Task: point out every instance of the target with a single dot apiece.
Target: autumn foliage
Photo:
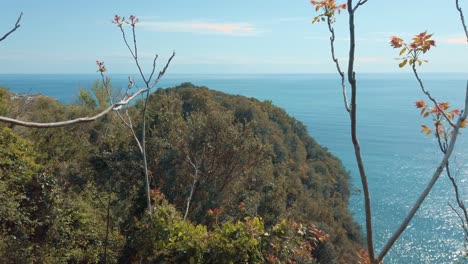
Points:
(439, 113)
(410, 52)
(329, 7)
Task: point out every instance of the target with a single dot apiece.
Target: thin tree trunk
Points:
(357, 146)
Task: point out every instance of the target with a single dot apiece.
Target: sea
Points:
(399, 159)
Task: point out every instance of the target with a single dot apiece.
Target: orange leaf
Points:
(420, 104)
(424, 128)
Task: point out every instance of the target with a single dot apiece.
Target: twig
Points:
(360, 3)
(17, 25)
(338, 68)
(192, 189)
(464, 224)
(115, 107)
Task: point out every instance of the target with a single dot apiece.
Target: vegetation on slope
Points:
(233, 180)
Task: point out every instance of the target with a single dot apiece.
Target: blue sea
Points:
(399, 159)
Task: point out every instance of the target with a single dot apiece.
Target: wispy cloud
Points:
(203, 27)
(455, 40)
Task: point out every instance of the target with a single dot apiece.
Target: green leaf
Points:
(403, 63)
(402, 51)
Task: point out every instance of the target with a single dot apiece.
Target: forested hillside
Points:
(233, 180)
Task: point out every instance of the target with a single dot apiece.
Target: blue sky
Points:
(243, 36)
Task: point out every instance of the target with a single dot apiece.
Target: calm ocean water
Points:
(399, 160)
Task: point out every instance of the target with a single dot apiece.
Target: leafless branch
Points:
(114, 107)
(17, 25)
(460, 202)
(338, 68)
(428, 188)
(129, 125)
(462, 18)
(154, 67)
(134, 52)
(463, 223)
(196, 170)
(161, 73)
(106, 87)
(146, 95)
(360, 3)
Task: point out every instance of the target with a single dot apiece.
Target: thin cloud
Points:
(455, 40)
(203, 27)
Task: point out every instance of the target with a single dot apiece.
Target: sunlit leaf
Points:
(403, 63)
(424, 128)
(402, 51)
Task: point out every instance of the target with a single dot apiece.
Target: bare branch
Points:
(129, 125)
(132, 52)
(195, 179)
(460, 202)
(463, 223)
(338, 68)
(462, 18)
(17, 25)
(154, 67)
(142, 142)
(106, 87)
(360, 3)
(113, 107)
(429, 186)
(161, 73)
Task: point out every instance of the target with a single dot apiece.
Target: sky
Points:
(222, 37)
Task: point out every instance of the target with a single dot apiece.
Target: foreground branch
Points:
(462, 18)
(434, 179)
(114, 107)
(338, 68)
(17, 25)
(353, 115)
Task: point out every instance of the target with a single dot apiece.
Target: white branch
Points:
(113, 107)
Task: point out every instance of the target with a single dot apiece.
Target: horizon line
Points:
(240, 73)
